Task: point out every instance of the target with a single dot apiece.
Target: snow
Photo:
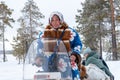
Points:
(11, 70)
(114, 67)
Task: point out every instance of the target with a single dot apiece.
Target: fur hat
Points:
(87, 51)
(58, 14)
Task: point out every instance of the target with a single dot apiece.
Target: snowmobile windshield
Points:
(47, 59)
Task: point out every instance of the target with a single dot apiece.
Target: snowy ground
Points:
(11, 70)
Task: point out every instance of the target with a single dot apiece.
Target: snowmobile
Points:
(47, 59)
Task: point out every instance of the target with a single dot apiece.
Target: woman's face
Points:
(72, 58)
(55, 22)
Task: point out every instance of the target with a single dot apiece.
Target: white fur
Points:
(94, 73)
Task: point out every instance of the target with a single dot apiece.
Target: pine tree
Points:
(32, 17)
(95, 22)
(20, 41)
(28, 31)
(91, 22)
(5, 20)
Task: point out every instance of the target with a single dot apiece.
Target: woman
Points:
(91, 57)
(70, 37)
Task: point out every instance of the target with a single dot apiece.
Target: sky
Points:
(11, 70)
(67, 7)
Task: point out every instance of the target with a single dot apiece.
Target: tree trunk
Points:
(4, 57)
(114, 46)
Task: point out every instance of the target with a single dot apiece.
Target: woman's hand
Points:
(38, 62)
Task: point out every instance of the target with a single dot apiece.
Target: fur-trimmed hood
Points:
(58, 14)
